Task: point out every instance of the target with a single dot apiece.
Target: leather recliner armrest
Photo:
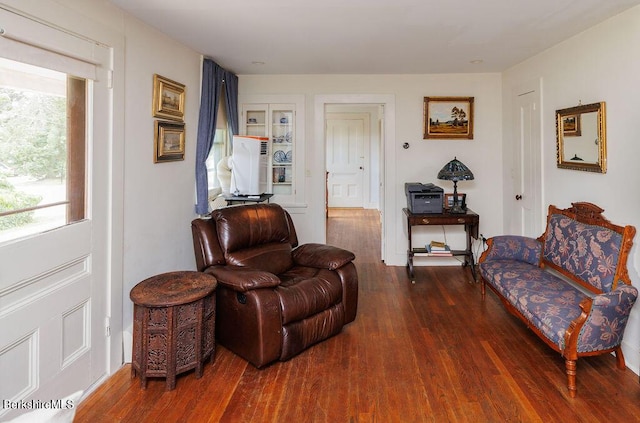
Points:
(243, 279)
(322, 256)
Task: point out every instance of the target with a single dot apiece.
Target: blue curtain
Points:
(213, 77)
(231, 91)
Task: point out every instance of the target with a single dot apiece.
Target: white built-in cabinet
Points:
(279, 122)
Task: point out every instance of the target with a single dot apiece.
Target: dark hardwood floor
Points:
(434, 351)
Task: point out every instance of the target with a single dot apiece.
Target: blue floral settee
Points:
(570, 286)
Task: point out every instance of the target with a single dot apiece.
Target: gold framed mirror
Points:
(581, 138)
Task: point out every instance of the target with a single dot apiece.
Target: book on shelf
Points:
(437, 246)
(438, 249)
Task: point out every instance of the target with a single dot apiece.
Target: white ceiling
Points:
(371, 36)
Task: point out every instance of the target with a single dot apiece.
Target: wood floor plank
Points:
(433, 351)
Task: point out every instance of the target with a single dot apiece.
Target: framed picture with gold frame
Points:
(571, 125)
(448, 118)
(168, 98)
(169, 142)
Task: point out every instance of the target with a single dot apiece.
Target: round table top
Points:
(173, 288)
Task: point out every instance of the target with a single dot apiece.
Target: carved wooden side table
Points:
(173, 325)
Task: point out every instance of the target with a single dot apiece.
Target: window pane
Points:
(39, 118)
(220, 145)
(215, 155)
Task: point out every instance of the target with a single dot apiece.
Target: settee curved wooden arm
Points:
(570, 352)
(593, 309)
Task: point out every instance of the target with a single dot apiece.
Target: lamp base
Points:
(457, 209)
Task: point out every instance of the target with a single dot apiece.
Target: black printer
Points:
(423, 198)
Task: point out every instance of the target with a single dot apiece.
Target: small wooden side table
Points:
(173, 325)
(469, 219)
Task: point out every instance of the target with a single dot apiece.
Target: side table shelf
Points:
(173, 325)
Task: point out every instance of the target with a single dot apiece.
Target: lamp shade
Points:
(455, 170)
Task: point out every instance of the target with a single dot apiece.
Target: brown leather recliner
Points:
(274, 298)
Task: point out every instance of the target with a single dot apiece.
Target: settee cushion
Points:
(548, 302)
(587, 252)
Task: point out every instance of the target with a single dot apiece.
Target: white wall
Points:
(158, 198)
(597, 65)
(421, 162)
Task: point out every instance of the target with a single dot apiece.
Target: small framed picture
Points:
(571, 125)
(168, 98)
(448, 118)
(278, 175)
(448, 200)
(169, 142)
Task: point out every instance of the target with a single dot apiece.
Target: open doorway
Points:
(353, 165)
(383, 155)
(352, 155)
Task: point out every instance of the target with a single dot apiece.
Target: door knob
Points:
(518, 197)
(361, 168)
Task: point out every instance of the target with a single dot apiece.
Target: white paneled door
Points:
(527, 194)
(54, 284)
(346, 134)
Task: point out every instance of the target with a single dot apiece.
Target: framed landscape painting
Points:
(571, 125)
(169, 142)
(168, 98)
(448, 118)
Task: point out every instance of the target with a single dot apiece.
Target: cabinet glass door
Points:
(282, 149)
(277, 122)
(256, 122)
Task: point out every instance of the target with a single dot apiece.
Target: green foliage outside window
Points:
(32, 145)
(33, 133)
(11, 199)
